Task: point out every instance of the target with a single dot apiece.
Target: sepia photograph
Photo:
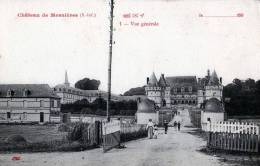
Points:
(130, 83)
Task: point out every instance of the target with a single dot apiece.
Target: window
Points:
(175, 90)
(26, 92)
(190, 89)
(8, 115)
(182, 89)
(10, 93)
(41, 103)
(24, 115)
(52, 103)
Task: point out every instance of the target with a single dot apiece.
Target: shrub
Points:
(77, 132)
(16, 139)
(64, 128)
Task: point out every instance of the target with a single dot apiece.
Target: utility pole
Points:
(110, 57)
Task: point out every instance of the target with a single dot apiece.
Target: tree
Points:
(244, 97)
(135, 91)
(87, 84)
(238, 83)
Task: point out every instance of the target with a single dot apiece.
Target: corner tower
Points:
(214, 88)
(153, 90)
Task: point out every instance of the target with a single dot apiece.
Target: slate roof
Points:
(214, 105)
(35, 90)
(162, 81)
(146, 106)
(213, 79)
(180, 81)
(153, 80)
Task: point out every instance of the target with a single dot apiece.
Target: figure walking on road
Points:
(165, 124)
(149, 128)
(179, 126)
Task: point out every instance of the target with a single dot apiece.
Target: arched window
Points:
(163, 103)
(10, 93)
(190, 89)
(182, 89)
(26, 92)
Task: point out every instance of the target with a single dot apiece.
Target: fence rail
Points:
(234, 136)
(231, 127)
(234, 141)
(131, 128)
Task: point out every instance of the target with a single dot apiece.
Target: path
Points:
(175, 148)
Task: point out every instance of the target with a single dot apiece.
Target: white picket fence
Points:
(231, 127)
(131, 128)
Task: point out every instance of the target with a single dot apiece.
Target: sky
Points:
(177, 42)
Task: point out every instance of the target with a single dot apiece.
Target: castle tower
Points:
(214, 88)
(165, 92)
(66, 83)
(153, 90)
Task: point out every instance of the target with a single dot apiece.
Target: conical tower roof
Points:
(162, 81)
(153, 80)
(214, 79)
(66, 79)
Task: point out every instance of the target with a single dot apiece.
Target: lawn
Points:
(32, 133)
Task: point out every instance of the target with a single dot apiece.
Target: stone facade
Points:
(183, 90)
(27, 103)
(70, 94)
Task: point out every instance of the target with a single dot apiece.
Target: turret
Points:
(66, 83)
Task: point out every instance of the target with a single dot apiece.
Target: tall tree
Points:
(87, 84)
(135, 91)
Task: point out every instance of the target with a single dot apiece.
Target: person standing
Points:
(155, 133)
(165, 124)
(179, 125)
(149, 128)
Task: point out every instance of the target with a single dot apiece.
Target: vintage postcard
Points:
(130, 82)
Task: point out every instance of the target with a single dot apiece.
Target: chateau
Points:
(183, 90)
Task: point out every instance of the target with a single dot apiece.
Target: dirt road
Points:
(172, 149)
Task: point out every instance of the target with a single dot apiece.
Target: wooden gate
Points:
(110, 134)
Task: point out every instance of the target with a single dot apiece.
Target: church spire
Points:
(66, 79)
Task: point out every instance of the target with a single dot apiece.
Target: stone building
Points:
(25, 103)
(213, 111)
(70, 94)
(170, 91)
(183, 90)
(209, 87)
(146, 110)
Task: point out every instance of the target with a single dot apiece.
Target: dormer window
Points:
(10, 93)
(190, 89)
(26, 92)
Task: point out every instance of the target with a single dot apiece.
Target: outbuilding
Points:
(146, 110)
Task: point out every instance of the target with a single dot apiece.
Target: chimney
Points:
(147, 80)
(220, 79)
(208, 73)
(162, 75)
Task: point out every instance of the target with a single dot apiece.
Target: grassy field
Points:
(32, 133)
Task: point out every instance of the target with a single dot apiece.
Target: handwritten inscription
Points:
(137, 20)
(237, 15)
